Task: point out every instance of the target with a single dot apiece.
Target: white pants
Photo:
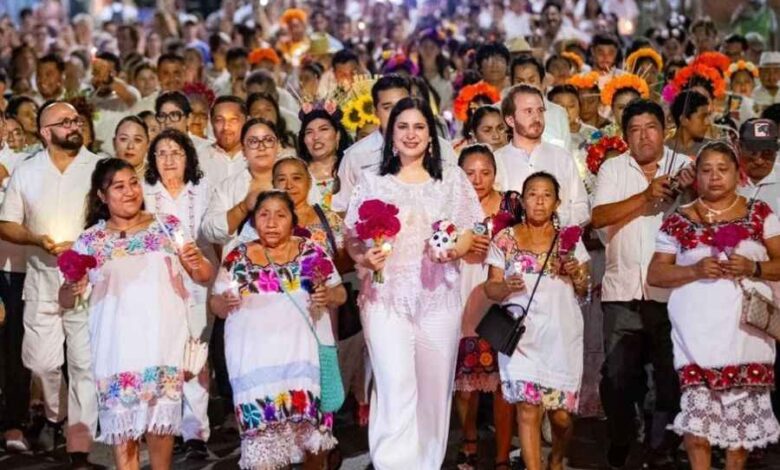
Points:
(195, 418)
(47, 328)
(414, 367)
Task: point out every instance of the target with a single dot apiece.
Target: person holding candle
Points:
(175, 185)
(131, 142)
(409, 321)
(707, 252)
(272, 298)
(138, 307)
(543, 374)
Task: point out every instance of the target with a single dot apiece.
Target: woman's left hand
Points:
(190, 256)
(738, 266)
(443, 256)
(319, 298)
(570, 266)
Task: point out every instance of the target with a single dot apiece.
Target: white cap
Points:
(769, 59)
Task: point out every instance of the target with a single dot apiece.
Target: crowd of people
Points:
(332, 196)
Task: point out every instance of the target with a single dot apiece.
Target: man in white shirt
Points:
(366, 154)
(769, 74)
(633, 192)
(44, 209)
(16, 390)
(49, 78)
(112, 98)
(758, 157)
(527, 70)
(224, 158)
(523, 110)
(516, 20)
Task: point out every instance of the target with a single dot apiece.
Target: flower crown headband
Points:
(742, 65)
(584, 81)
(685, 74)
(574, 59)
(716, 60)
(634, 57)
(467, 94)
(199, 88)
(620, 82)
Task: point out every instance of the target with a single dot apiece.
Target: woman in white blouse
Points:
(174, 184)
(706, 252)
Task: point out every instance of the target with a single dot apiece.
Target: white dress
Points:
(137, 323)
(546, 367)
(725, 367)
(272, 359)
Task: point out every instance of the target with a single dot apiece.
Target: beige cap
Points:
(518, 44)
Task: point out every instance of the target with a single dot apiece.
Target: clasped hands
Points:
(735, 267)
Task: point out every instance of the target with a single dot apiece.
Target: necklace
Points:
(123, 232)
(712, 213)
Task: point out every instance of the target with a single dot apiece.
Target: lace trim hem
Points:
(118, 427)
(284, 444)
(485, 383)
(747, 444)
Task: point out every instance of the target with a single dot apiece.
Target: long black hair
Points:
(286, 138)
(391, 164)
(344, 141)
(192, 173)
(97, 210)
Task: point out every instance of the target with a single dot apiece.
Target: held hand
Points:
(79, 287)
(225, 303)
(514, 283)
(190, 256)
(659, 190)
(443, 256)
(738, 266)
(60, 247)
(45, 242)
(571, 267)
(375, 259)
(319, 298)
(708, 268)
(686, 177)
(479, 245)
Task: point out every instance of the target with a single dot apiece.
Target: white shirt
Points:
(217, 165)
(767, 190)
(556, 125)
(762, 98)
(630, 247)
(514, 165)
(12, 257)
(516, 25)
(50, 203)
(226, 196)
(367, 154)
(110, 110)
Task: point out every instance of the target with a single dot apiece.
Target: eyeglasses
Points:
(68, 123)
(266, 142)
(169, 156)
(173, 116)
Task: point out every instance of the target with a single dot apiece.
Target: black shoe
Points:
(79, 461)
(617, 455)
(195, 449)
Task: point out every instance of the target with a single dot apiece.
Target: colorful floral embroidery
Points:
(477, 366)
(535, 394)
(690, 234)
(255, 279)
(326, 191)
(130, 388)
(293, 405)
(519, 261)
(105, 245)
(732, 376)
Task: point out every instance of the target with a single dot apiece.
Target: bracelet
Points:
(757, 270)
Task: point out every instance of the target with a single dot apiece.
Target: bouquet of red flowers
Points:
(568, 239)
(377, 226)
(598, 151)
(727, 237)
(74, 266)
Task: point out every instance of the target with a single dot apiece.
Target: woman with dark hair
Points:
(273, 309)
(543, 374)
(485, 125)
(131, 142)
(434, 66)
(25, 110)
(412, 320)
(725, 366)
(322, 142)
(264, 105)
(175, 185)
(152, 124)
(137, 313)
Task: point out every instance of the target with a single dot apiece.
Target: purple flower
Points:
(267, 281)
(151, 242)
(270, 412)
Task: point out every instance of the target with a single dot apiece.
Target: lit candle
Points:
(387, 248)
(178, 240)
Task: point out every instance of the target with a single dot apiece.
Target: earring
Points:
(395, 152)
(556, 222)
(430, 148)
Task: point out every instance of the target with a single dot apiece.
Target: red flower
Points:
(378, 220)
(501, 221)
(470, 360)
(232, 257)
(598, 152)
(727, 237)
(74, 265)
(756, 373)
(568, 239)
(299, 401)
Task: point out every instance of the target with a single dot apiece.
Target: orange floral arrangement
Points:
(574, 58)
(685, 74)
(293, 14)
(263, 53)
(750, 67)
(716, 60)
(634, 57)
(584, 81)
(620, 82)
(467, 95)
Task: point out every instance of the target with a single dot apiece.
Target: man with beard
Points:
(523, 110)
(50, 78)
(633, 192)
(44, 209)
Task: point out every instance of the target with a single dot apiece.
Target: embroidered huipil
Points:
(711, 345)
(272, 358)
(414, 283)
(549, 356)
(138, 328)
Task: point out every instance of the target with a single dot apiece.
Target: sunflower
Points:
(352, 116)
(366, 105)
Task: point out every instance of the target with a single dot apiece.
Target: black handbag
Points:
(503, 325)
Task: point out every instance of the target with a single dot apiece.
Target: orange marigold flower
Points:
(293, 14)
(742, 65)
(634, 57)
(619, 82)
(263, 53)
(468, 93)
(574, 58)
(685, 74)
(716, 60)
(584, 81)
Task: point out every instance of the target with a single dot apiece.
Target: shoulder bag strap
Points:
(328, 229)
(541, 273)
(300, 309)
